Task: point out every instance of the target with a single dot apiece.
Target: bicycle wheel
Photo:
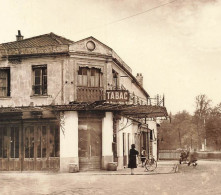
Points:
(151, 165)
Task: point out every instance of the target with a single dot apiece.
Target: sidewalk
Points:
(163, 167)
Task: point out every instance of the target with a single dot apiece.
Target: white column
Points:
(68, 139)
(107, 139)
(153, 126)
(120, 144)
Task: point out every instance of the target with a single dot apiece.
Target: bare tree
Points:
(201, 114)
(213, 129)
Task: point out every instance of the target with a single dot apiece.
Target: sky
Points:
(175, 44)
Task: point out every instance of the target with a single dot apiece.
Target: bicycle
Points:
(150, 164)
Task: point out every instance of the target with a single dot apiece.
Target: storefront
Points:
(90, 135)
(28, 144)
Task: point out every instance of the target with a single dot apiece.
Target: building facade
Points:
(68, 102)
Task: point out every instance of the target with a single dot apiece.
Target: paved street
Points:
(204, 179)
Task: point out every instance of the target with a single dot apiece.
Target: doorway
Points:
(90, 144)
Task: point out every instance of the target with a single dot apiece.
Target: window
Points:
(29, 142)
(54, 141)
(151, 135)
(115, 79)
(42, 141)
(40, 80)
(4, 82)
(82, 77)
(89, 77)
(3, 142)
(14, 142)
(95, 77)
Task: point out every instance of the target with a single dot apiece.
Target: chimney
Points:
(19, 37)
(139, 78)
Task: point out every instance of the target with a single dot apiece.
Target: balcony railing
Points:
(90, 94)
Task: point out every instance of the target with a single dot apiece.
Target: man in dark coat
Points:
(133, 158)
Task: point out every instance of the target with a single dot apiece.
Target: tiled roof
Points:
(1, 47)
(50, 39)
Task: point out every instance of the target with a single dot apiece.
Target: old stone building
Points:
(65, 102)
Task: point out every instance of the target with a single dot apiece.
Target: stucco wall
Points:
(126, 81)
(62, 76)
(126, 127)
(68, 140)
(22, 81)
(107, 139)
(153, 126)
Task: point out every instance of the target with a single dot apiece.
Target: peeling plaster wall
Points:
(22, 81)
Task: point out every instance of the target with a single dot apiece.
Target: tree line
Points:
(201, 131)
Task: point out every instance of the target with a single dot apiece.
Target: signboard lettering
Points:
(117, 95)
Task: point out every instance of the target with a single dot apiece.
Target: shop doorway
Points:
(9, 148)
(90, 144)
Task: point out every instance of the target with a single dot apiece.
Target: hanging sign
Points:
(117, 95)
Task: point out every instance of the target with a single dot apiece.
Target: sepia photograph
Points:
(110, 97)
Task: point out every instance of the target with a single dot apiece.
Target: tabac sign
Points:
(117, 95)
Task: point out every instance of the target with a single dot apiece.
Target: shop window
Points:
(29, 142)
(40, 80)
(89, 77)
(41, 141)
(54, 141)
(44, 142)
(4, 82)
(3, 142)
(14, 142)
(9, 142)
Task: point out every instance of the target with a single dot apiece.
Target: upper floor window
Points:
(115, 79)
(4, 82)
(89, 77)
(40, 80)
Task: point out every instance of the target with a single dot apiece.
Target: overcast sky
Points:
(177, 46)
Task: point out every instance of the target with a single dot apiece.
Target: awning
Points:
(128, 110)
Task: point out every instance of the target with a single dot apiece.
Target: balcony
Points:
(89, 94)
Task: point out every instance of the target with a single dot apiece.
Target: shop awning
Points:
(129, 110)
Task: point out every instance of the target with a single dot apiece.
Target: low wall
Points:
(169, 155)
(209, 155)
(175, 155)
